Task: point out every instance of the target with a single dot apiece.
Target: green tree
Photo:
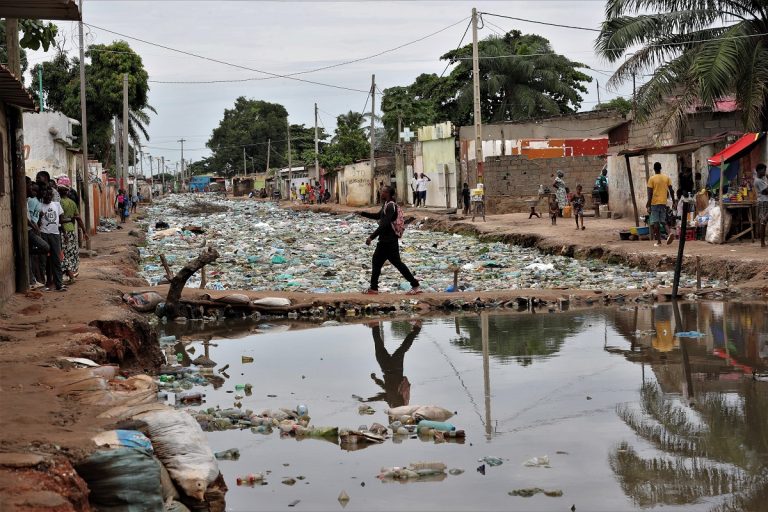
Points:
(419, 104)
(58, 77)
(250, 124)
(521, 78)
(349, 143)
(697, 52)
(35, 34)
(623, 105)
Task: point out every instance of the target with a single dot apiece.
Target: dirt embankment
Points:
(45, 427)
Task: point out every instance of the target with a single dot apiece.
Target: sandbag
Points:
(181, 446)
(234, 298)
(125, 412)
(125, 439)
(403, 410)
(122, 480)
(714, 233)
(143, 301)
(432, 412)
(272, 301)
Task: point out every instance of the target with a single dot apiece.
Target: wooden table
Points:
(741, 205)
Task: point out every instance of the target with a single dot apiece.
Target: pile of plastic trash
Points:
(264, 247)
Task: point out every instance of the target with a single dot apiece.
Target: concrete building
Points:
(50, 145)
(356, 182)
(13, 203)
(703, 133)
(435, 155)
(520, 156)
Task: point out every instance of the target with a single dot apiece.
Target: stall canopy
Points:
(737, 150)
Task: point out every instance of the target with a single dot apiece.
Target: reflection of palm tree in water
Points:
(396, 388)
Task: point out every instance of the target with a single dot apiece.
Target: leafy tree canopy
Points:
(104, 93)
(349, 143)
(697, 52)
(35, 34)
(522, 77)
(623, 105)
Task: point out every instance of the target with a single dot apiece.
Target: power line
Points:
(540, 22)
(219, 61)
(461, 41)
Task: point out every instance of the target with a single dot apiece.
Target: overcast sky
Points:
(289, 37)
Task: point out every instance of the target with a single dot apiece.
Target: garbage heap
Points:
(265, 247)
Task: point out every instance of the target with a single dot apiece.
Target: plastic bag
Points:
(714, 233)
(181, 446)
(272, 301)
(432, 412)
(122, 480)
(125, 439)
(143, 301)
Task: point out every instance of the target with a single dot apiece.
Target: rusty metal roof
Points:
(13, 92)
(40, 9)
(683, 147)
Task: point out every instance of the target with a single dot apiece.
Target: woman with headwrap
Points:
(561, 191)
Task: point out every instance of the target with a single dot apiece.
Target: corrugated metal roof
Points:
(40, 9)
(13, 92)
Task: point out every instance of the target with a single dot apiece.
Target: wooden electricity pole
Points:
(84, 126)
(317, 149)
(476, 94)
(373, 139)
(290, 169)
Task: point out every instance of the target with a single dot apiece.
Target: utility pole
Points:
(373, 139)
(597, 82)
(317, 148)
(118, 163)
(476, 93)
(163, 175)
(269, 151)
(290, 169)
(151, 178)
(40, 86)
(182, 159)
(245, 164)
(125, 126)
(84, 125)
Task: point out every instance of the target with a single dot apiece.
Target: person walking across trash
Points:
(659, 192)
(389, 231)
(561, 192)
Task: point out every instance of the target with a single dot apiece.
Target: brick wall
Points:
(511, 180)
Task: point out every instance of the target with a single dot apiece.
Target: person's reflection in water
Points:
(397, 389)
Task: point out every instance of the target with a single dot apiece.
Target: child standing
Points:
(554, 209)
(50, 225)
(577, 201)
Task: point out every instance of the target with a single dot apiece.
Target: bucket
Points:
(567, 211)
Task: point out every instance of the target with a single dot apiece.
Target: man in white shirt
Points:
(422, 188)
(414, 190)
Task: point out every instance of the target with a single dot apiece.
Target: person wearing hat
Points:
(561, 191)
(71, 249)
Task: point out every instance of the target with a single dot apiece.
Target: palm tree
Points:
(697, 52)
(521, 77)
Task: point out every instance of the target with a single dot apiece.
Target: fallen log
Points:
(180, 279)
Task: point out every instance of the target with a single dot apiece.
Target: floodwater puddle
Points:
(604, 409)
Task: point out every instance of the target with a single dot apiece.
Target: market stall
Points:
(731, 175)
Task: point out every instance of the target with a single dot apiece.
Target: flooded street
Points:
(629, 415)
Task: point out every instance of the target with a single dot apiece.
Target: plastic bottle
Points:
(189, 397)
(302, 410)
(443, 426)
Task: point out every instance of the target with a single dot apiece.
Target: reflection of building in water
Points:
(523, 337)
(714, 446)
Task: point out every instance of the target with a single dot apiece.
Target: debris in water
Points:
(492, 461)
(531, 491)
(540, 462)
(344, 498)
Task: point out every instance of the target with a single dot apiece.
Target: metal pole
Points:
(125, 126)
(317, 148)
(163, 175)
(151, 179)
(40, 85)
(245, 164)
(373, 139)
(182, 160)
(476, 93)
(680, 248)
(84, 125)
(269, 150)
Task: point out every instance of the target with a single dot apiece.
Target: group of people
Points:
(577, 200)
(309, 194)
(419, 188)
(53, 219)
(126, 203)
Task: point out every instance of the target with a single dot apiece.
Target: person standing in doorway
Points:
(388, 246)
(659, 192)
(38, 247)
(601, 185)
(465, 197)
(423, 179)
(50, 224)
(414, 189)
(761, 188)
